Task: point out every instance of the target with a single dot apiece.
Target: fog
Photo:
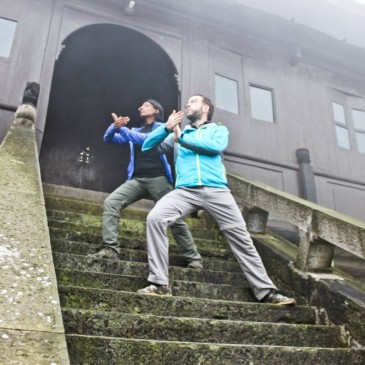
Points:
(341, 19)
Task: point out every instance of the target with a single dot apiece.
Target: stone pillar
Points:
(257, 220)
(319, 255)
(26, 114)
(306, 176)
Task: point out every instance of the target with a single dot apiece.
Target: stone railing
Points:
(31, 327)
(320, 229)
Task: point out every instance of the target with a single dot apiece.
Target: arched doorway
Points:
(102, 69)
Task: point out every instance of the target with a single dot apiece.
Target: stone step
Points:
(126, 214)
(72, 205)
(91, 218)
(130, 268)
(127, 254)
(59, 233)
(213, 315)
(67, 277)
(133, 303)
(129, 228)
(162, 328)
(117, 351)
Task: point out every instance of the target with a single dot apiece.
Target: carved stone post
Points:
(257, 220)
(25, 114)
(320, 256)
(306, 175)
(314, 254)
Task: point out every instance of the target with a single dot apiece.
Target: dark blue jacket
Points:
(132, 136)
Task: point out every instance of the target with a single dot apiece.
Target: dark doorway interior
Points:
(102, 69)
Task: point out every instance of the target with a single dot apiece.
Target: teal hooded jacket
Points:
(199, 159)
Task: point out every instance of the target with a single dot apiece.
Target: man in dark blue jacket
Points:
(149, 175)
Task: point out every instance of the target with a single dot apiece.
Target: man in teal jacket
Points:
(200, 184)
(149, 175)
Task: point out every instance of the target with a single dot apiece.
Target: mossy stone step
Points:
(129, 228)
(70, 206)
(126, 214)
(60, 233)
(73, 205)
(122, 351)
(61, 244)
(90, 219)
(130, 268)
(127, 254)
(99, 297)
(68, 277)
(133, 303)
(167, 328)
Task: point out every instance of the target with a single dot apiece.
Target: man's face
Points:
(194, 108)
(147, 110)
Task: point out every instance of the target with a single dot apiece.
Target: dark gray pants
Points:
(132, 191)
(220, 204)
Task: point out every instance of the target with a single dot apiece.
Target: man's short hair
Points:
(208, 102)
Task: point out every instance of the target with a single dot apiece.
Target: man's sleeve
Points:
(155, 138)
(113, 136)
(214, 142)
(133, 136)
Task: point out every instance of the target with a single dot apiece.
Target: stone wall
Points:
(31, 327)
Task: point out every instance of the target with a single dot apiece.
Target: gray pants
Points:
(220, 204)
(132, 191)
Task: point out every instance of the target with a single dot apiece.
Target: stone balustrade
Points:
(320, 229)
(31, 326)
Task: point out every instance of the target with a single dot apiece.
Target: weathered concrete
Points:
(130, 228)
(130, 268)
(91, 279)
(168, 328)
(106, 350)
(128, 254)
(99, 299)
(31, 324)
(312, 220)
(133, 303)
(125, 236)
(341, 297)
(20, 347)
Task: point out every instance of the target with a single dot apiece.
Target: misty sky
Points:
(341, 19)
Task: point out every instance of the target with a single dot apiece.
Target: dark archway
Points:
(102, 69)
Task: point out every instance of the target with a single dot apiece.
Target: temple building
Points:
(287, 79)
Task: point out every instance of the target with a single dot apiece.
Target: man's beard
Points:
(195, 116)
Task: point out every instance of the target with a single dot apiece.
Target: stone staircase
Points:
(212, 318)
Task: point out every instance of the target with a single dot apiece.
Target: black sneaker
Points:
(278, 299)
(162, 290)
(195, 265)
(105, 253)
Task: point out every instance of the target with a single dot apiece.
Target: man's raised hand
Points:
(119, 122)
(177, 133)
(174, 119)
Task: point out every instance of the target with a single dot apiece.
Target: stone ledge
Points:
(28, 347)
(30, 313)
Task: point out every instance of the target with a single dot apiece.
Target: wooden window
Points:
(342, 133)
(358, 118)
(226, 94)
(262, 105)
(7, 31)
